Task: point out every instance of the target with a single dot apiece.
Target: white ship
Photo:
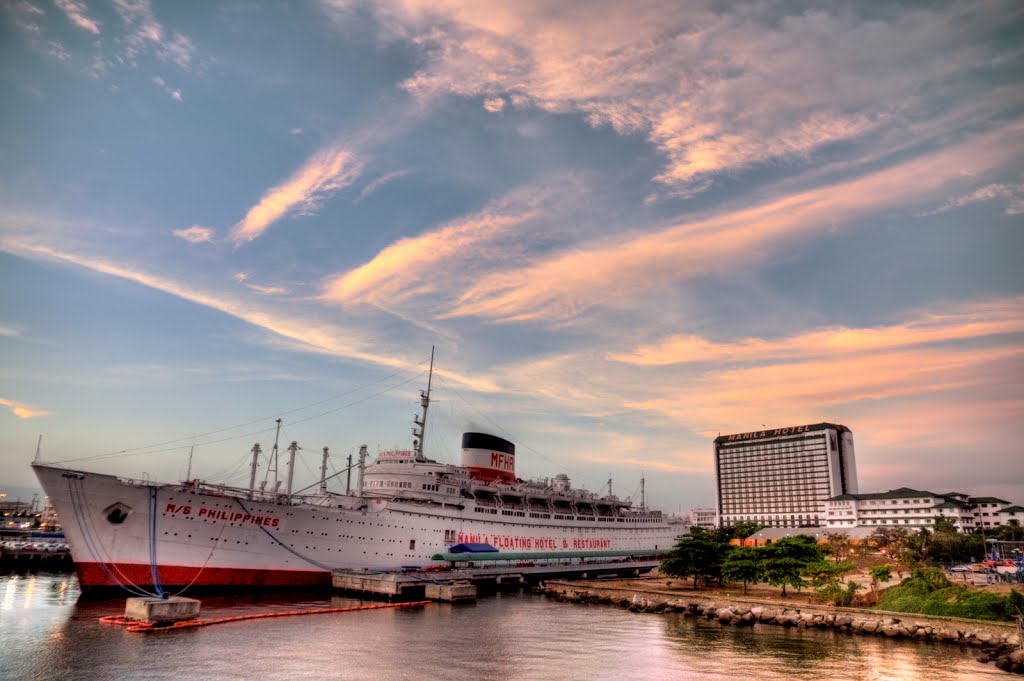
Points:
(403, 510)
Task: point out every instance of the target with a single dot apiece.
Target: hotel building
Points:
(780, 477)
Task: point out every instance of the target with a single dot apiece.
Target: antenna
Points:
(39, 450)
(421, 423)
(188, 473)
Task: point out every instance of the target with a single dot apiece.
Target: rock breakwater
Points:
(997, 642)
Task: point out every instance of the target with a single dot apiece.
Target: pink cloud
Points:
(408, 268)
(76, 12)
(23, 411)
(145, 33)
(195, 234)
(1014, 195)
(566, 283)
(325, 173)
(714, 91)
(959, 322)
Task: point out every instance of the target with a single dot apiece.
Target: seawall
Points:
(998, 641)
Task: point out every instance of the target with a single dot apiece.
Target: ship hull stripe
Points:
(96, 575)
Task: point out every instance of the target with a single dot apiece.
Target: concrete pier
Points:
(414, 585)
(161, 610)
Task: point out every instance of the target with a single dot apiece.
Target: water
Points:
(46, 634)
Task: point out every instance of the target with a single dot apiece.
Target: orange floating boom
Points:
(135, 625)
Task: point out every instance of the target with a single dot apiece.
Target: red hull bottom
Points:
(105, 575)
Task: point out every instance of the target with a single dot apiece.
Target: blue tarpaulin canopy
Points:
(472, 548)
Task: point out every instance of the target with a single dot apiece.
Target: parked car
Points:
(960, 568)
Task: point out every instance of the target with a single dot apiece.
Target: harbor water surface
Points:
(46, 633)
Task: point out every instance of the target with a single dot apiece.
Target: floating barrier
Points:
(135, 625)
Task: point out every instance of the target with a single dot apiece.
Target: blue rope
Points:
(77, 505)
(289, 549)
(153, 506)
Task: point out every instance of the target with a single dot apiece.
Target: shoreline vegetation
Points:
(998, 642)
(835, 582)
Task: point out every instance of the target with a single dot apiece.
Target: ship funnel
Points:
(489, 457)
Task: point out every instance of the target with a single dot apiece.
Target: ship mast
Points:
(421, 423)
(252, 470)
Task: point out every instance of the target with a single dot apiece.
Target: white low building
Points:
(903, 507)
(988, 511)
(706, 517)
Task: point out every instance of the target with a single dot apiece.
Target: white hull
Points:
(123, 532)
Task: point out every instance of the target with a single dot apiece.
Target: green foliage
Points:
(745, 528)
(879, 573)
(699, 554)
(1012, 531)
(837, 595)
(826, 572)
(1014, 604)
(928, 592)
(944, 525)
(826, 577)
(935, 578)
(786, 560)
(743, 564)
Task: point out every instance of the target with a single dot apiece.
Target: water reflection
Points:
(45, 634)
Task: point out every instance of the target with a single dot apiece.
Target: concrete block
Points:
(160, 610)
(450, 593)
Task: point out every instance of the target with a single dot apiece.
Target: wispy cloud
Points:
(590, 274)
(494, 104)
(77, 12)
(959, 322)
(195, 234)
(304, 333)
(787, 392)
(10, 332)
(1014, 195)
(145, 32)
(497, 233)
(23, 411)
(716, 92)
(383, 180)
(325, 173)
(172, 92)
(243, 279)
(26, 16)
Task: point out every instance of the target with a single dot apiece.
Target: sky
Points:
(624, 228)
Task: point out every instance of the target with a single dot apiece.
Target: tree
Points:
(1011, 531)
(889, 541)
(840, 544)
(745, 528)
(699, 554)
(879, 573)
(826, 577)
(944, 525)
(743, 564)
(786, 560)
